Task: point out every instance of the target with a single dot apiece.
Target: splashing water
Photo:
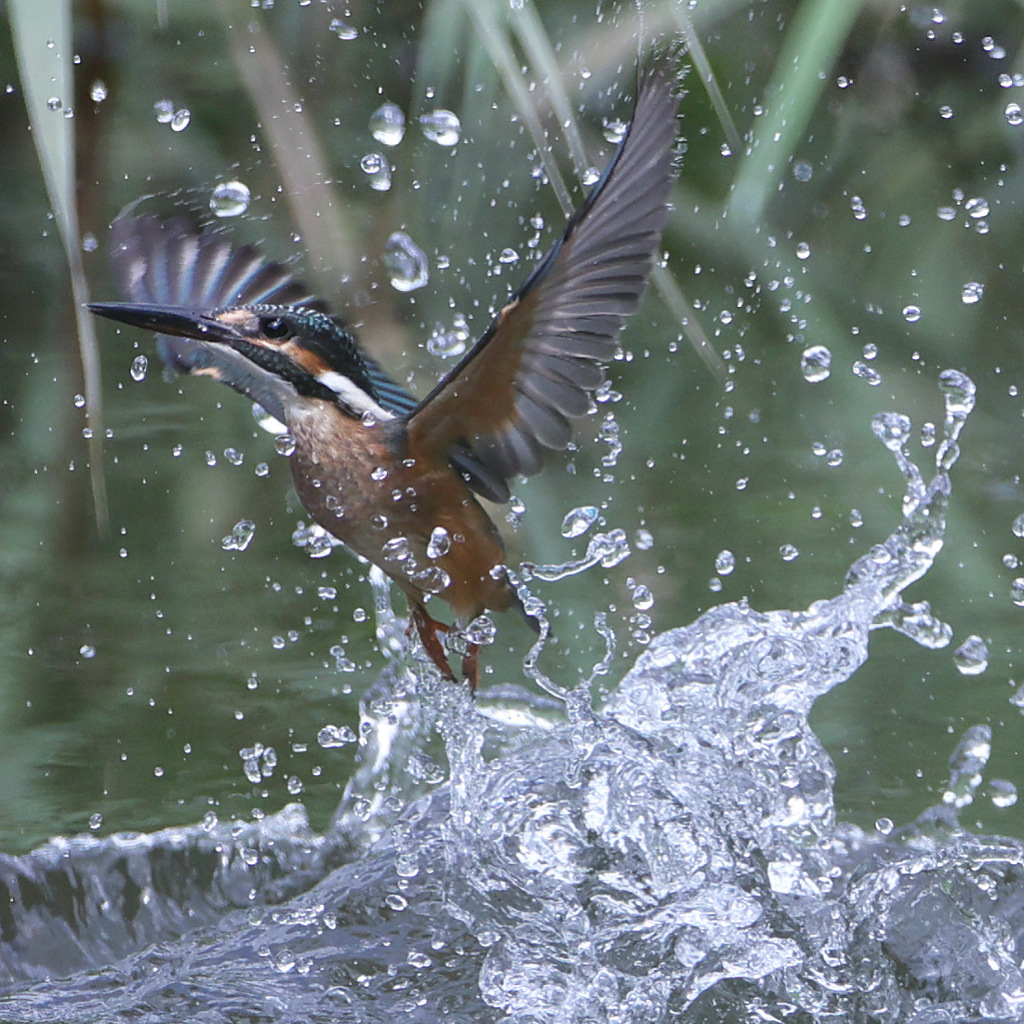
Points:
(673, 855)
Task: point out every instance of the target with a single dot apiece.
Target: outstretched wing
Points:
(518, 389)
(173, 263)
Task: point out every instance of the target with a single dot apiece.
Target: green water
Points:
(136, 664)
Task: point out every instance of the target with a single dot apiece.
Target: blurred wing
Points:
(173, 263)
(532, 373)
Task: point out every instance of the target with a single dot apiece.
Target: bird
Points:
(397, 479)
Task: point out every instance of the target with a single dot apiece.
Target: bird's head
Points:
(277, 355)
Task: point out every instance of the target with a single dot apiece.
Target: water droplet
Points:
(140, 364)
(788, 552)
(87, 651)
(892, 429)
(387, 124)
(972, 292)
(977, 207)
(1014, 115)
(98, 91)
(508, 256)
(866, 373)
(959, 391)
(379, 170)
(447, 343)
(378, 473)
(230, 199)
(406, 263)
(803, 250)
(432, 580)
(180, 120)
(89, 242)
(579, 520)
(815, 362)
(240, 536)
(1018, 525)
(80, 404)
(971, 657)
(335, 735)
(644, 540)
(643, 599)
(1002, 793)
(614, 131)
(911, 314)
(343, 30)
(54, 103)
(284, 444)
(725, 562)
(802, 171)
(234, 456)
(261, 469)
(396, 550)
(440, 542)
(441, 126)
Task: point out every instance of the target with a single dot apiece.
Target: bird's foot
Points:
(428, 628)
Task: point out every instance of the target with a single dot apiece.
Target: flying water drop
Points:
(578, 521)
(240, 536)
(406, 263)
(815, 363)
(140, 364)
(230, 199)
(387, 124)
(441, 126)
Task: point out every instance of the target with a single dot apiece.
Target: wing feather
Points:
(174, 263)
(532, 373)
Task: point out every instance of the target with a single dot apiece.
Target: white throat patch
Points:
(353, 396)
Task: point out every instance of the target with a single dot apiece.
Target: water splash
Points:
(672, 855)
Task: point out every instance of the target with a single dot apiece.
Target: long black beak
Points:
(176, 320)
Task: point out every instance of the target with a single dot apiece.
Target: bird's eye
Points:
(275, 328)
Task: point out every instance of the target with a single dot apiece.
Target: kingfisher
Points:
(394, 478)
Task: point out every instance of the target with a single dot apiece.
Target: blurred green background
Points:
(862, 160)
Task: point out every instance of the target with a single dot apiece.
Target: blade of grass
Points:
(42, 35)
(294, 142)
(492, 29)
(811, 47)
(707, 78)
